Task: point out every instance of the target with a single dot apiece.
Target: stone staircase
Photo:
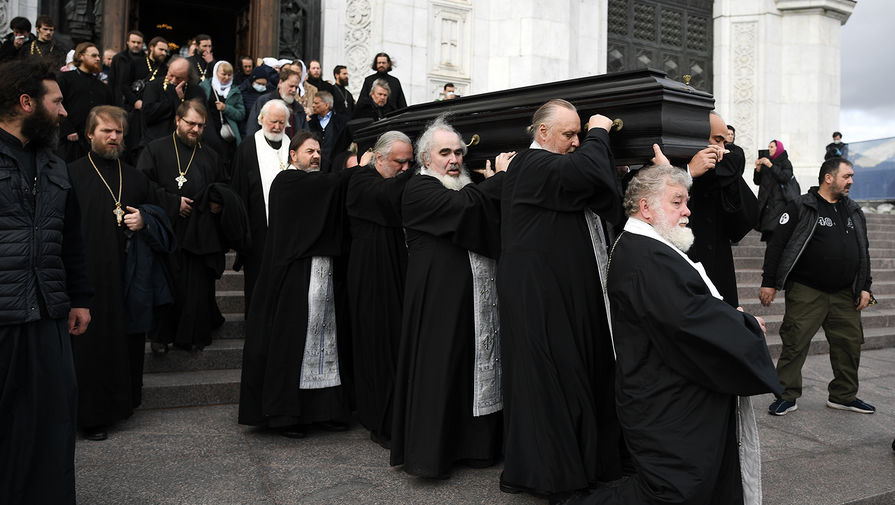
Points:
(209, 377)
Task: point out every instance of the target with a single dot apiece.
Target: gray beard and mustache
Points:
(450, 182)
(273, 137)
(680, 237)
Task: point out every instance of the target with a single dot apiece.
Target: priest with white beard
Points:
(447, 401)
(258, 161)
(686, 361)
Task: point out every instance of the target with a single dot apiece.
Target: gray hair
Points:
(326, 97)
(381, 83)
(546, 113)
(274, 104)
(424, 142)
(650, 182)
(386, 142)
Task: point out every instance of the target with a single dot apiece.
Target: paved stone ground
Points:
(199, 455)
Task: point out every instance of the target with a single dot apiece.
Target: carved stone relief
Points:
(743, 37)
(358, 32)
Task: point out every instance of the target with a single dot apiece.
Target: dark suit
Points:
(333, 139)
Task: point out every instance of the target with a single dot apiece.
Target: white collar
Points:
(644, 229)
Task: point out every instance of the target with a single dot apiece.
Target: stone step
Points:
(755, 263)
(220, 355)
(230, 281)
(188, 389)
(870, 318)
(753, 275)
(230, 301)
(742, 251)
(233, 327)
(874, 338)
(749, 288)
(753, 306)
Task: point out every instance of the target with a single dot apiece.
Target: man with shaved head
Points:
(561, 430)
(162, 97)
(258, 161)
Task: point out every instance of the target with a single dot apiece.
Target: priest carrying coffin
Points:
(295, 369)
(687, 361)
(447, 405)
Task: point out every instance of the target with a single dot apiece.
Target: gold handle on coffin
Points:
(474, 141)
(617, 125)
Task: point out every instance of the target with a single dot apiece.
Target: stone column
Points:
(777, 75)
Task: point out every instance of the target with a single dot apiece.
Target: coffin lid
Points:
(653, 108)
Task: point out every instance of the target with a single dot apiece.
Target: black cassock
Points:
(108, 360)
(160, 102)
(433, 425)
(195, 314)
(724, 210)
(377, 266)
(561, 432)
(682, 357)
(307, 219)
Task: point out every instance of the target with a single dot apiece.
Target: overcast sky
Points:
(868, 72)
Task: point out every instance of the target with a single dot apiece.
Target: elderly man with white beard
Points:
(258, 161)
(447, 402)
(287, 91)
(686, 361)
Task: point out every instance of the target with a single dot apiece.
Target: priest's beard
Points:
(40, 128)
(107, 152)
(186, 139)
(450, 182)
(273, 137)
(680, 236)
(290, 99)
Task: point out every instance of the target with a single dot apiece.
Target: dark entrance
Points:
(670, 35)
(180, 20)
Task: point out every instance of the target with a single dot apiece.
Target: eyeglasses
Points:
(191, 124)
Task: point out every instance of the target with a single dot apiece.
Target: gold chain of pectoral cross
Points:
(201, 70)
(35, 48)
(154, 71)
(181, 179)
(119, 213)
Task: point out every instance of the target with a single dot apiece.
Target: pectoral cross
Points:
(118, 213)
(180, 181)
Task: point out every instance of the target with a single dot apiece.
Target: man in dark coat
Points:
(258, 161)
(162, 97)
(683, 357)
(377, 265)
(296, 366)
(382, 64)
(330, 127)
(343, 100)
(81, 91)
(724, 208)
(202, 60)
(315, 77)
(447, 404)
(561, 430)
(286, 90)
(374, 105)
(45, 291)
(19, 36)
(123, 66)
(109, 356)
(45, 47)
(182, 169)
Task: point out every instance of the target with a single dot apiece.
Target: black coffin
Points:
(653, 109)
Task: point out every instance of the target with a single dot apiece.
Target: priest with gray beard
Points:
(686, 361)
(447, 401)
(258, 161)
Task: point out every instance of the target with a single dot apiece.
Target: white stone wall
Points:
(12, 8)
(777, 75)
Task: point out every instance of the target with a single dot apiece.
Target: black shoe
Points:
(158, 348)
(333, 426)
(294, 431)
(509, 488)
(96, 433)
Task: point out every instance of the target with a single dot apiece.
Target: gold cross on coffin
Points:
(180, 181)
(118, 213)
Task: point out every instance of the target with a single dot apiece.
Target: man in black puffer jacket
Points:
(44, 292)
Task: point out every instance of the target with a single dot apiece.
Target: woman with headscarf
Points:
(225, 106)
(772, 174)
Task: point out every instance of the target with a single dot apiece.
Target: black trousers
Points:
(38, 414)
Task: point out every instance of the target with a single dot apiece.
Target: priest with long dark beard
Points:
(687, 361)
(447, 404)
(258, 161)
(377, 266)
(182, 168)
(113, 196)
(295, 372)
(561, 430)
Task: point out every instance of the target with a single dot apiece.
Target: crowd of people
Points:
(582, 326)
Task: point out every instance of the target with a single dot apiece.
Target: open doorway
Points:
(180, 20)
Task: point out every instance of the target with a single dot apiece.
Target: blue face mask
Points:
(260, 88)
